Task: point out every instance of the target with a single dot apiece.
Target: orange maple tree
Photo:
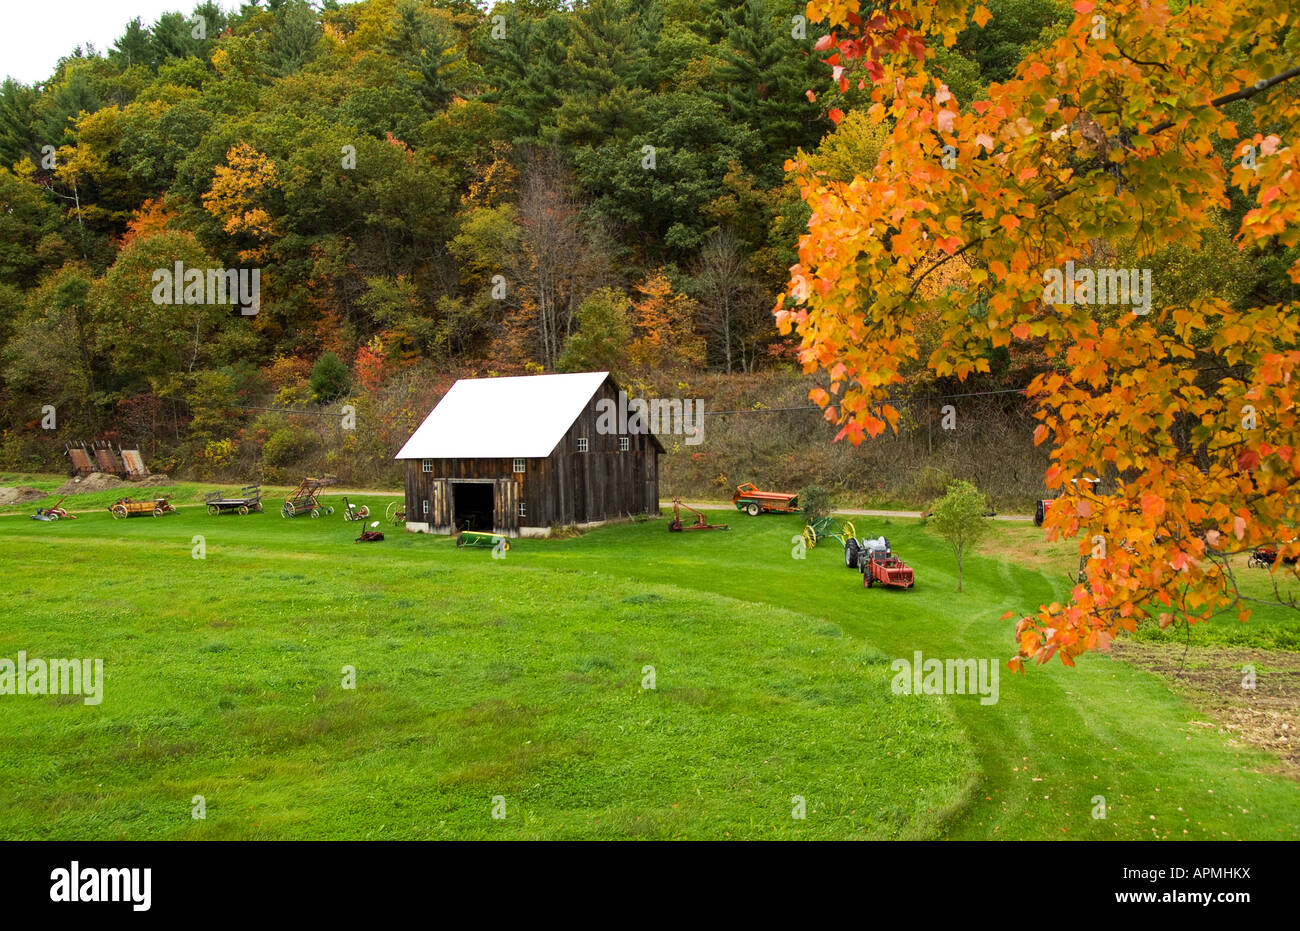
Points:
(665, 338)
(1105, 135)
(369, 366)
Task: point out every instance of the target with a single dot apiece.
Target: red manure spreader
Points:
(749, 499)
(876, 561)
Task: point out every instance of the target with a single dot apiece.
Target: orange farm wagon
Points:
(754, 502)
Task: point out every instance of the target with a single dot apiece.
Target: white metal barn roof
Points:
(503, 418)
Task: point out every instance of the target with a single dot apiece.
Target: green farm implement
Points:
(479, 538)
(828, 528)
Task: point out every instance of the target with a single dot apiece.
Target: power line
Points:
(968, 394)
(288, 410)
(932, 397)
(768, 410)
(755, 410)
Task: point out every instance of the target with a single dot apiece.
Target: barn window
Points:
(623, 443)
(426, 465)
(582, 444)
(519, 465)
(426, 508)
(523, 509)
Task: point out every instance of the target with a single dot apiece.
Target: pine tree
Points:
(525, 71)
(764, 75)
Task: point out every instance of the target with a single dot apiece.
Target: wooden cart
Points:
(304, 499)
(128, 507)
(249, 499)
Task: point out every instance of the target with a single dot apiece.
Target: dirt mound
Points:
(95, 481)
(20, 494)
(152, 480)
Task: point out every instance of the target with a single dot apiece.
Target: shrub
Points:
(329, 378)
(815, 501)
(289, 445)
(604, 331)
(932, 483)
(219, 453)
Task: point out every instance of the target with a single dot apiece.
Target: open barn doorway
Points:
(471, 505)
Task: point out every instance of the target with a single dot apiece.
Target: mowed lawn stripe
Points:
(476, 678)
(1057, 737)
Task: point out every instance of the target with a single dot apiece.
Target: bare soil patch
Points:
(102, 481)
(1213, 679)
(95, 481)
(20, 494)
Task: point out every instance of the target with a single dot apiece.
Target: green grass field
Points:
(523, 678)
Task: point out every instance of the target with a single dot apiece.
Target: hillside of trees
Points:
(435, 189)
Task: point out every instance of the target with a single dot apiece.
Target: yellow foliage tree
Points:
(237, 199)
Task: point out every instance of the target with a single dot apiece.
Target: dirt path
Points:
(169, 491)
(851, 512)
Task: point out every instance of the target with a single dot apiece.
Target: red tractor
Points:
(1265, 556)
(878, 564)
(1040, 508)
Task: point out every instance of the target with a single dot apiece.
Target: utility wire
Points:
(755, 410)
(287, 410)
(933, 397)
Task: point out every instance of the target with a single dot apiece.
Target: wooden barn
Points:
(517, 455)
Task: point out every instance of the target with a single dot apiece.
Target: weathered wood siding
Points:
(566, 487)
(603, 482)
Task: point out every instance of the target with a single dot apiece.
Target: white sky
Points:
(37, 33)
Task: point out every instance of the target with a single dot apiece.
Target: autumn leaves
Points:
(1105, 143)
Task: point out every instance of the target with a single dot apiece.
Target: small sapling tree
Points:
(959, 517)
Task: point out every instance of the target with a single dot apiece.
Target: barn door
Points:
(439, 502)
(579, 472)
(634, 493)
(609, 494)
(506, 506)
(651, 492)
